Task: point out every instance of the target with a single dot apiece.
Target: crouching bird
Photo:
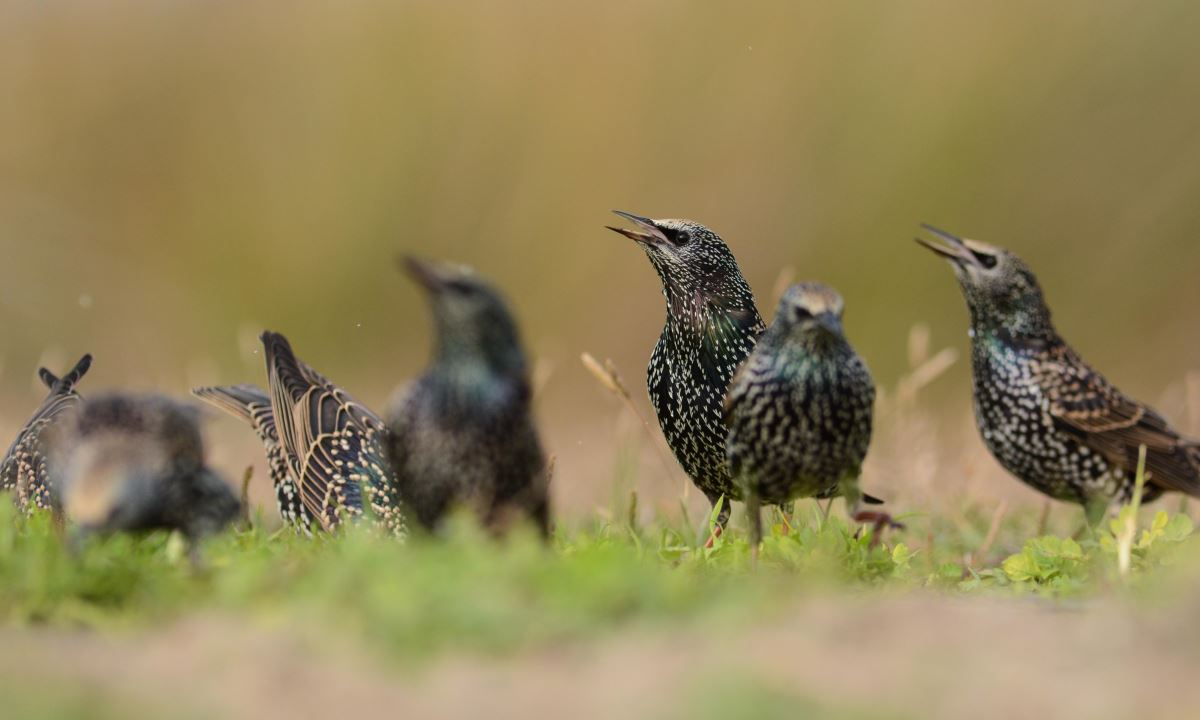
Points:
(799, 411)
(711, 327)
(26, 467)
(462, 434)
(1046, 416)
(128, 463)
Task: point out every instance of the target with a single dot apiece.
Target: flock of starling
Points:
(753, 413)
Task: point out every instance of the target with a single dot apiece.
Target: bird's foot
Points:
(787, 521)
(878, 521)
(712, 538)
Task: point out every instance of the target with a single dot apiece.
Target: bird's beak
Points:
(424, 273)
(954, 248)
(647, 232)
(831, 323)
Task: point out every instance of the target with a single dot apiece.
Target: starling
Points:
(711, 327)
(130, 463)
(1044, 413)
(25, 469)
(332, 444)
(462, 434)
(799, 410)
(252, 404)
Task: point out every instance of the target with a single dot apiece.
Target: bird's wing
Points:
(728, 338)
(252, 404)
(1084, 404)
(332, 442)
(24, 468)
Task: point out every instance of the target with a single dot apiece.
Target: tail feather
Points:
(238, 400)
(66, 383)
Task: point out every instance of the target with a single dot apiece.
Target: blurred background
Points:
(174, 177)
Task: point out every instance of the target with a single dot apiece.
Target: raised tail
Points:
(66, 383)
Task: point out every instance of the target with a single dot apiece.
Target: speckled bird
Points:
(462, 434)
(799, 410)
(25, 469)
(253, 405)
(332, 444)
(711, 327)
(130, 463)
(1044, 413)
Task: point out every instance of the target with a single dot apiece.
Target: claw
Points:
(878, 521)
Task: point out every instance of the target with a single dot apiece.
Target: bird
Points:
(133, 463)
(1044, 413)
(462, 434)
(799, 411)
(25, 468)
(712, 324)
(332, 444)
(253, 405)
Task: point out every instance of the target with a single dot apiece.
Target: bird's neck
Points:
(474, 385)
(991, 339)
(694, 310)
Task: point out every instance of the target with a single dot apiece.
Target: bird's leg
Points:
(755, 517)
(1044, 520)
(787, 510)
(825, 510)
(718, 528)
(876, 518)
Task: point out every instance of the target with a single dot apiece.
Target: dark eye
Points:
(988, 261)
(683, 237)
(461, 288)
(800, 314)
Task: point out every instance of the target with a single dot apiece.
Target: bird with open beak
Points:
(711, 326)
(1048, 417)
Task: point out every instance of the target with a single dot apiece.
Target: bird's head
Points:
(811, 315)
(690, 259)
(1000, 289)
(111, 482)
(472, 319)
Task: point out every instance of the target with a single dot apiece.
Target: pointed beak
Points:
(831, 323)
(423, 273)
(647, 232)
(951, 248)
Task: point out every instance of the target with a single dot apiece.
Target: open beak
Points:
(423, 272)
(646, 234)
(952, 247)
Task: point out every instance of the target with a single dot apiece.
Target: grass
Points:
(463, 592)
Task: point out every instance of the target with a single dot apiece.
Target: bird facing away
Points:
(130, 463)
(462, 434)
(711, 327)
(799, 411)
(25, 469)
(1044, 413)
(332, 444)
(253, 405)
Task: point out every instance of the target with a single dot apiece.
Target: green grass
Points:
(465, 592)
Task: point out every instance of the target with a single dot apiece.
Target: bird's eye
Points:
(987, 261)
(683, 237)
(800, 314)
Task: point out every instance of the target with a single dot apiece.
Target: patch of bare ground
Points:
(920, 656)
